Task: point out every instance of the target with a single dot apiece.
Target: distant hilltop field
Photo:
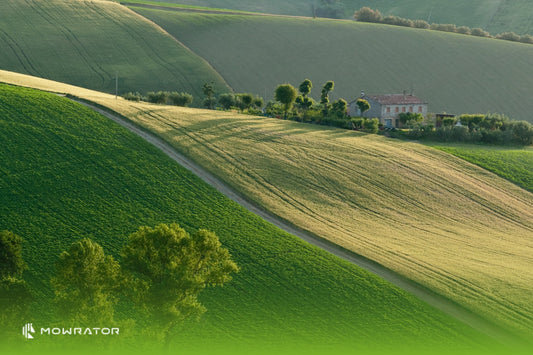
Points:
(122, 48)
(495, 16)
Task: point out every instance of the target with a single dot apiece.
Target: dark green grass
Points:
(453, 73)
(513, 164)
(89, 43)
(68, 173)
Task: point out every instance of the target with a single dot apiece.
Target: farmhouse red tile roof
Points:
(396, 99)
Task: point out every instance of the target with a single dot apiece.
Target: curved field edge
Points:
(136, 113)
(66, 174)
(513, 164)
(94, 43)
(453, 73)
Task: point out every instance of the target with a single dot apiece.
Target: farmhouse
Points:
(388, 107)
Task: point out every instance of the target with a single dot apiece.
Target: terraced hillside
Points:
(68, 173)
(89, 43)
(454, 73)
(451, 226)
(496, 16)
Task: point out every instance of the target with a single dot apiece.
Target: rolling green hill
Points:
(451, 226)
(87, 43)
(495, 16)
(68, 173)
(454, 73)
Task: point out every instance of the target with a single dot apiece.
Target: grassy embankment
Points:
(87, 43)
(443, 222)
(69, 173)
(496, 16)
(453, 73)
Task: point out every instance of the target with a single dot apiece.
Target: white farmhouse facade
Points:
(387, 108)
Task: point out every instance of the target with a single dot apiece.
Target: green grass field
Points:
(87, 43)
(453, 73)
(513, 164)
(496, 16)
(443, 222)
(68, 173)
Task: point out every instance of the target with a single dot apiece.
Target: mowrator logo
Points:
(27, 331)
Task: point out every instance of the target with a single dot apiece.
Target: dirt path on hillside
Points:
(437, 301)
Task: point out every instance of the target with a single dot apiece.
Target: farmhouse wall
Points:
(388, 107)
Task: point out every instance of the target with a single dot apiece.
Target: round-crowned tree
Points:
(166, 268)
(286, 94)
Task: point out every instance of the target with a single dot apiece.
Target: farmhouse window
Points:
(397, 109)
(419, 108)
(388, 109)
(410, 108)
(403, 109)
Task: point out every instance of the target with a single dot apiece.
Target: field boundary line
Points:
(432, 298)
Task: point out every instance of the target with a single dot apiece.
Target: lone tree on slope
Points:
(166, 268)
(286, 94)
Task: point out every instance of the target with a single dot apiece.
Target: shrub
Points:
(180, 98)
(397, 21)
(227, 100)
(258, 102)
(449, 121)
(464, 30)
(371, 125)
(443, 27)
(522, 133)
(479, 32)
(366, 14)
(334, 121)
(159, 97)
(420, 131)
(526, 39)
(339, 108)
(420, 24)
(460, 134)
(132, 96)
(410, 117)
(243, 101)
(472, 121)
(357, 123)
(273, 109)
(444, 133)
(491, 137)
(508, 36)
(493, 121)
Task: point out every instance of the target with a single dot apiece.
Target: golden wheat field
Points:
(436, 219)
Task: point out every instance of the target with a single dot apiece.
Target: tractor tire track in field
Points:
(443, 304)
(19, 52)
(70, 36)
